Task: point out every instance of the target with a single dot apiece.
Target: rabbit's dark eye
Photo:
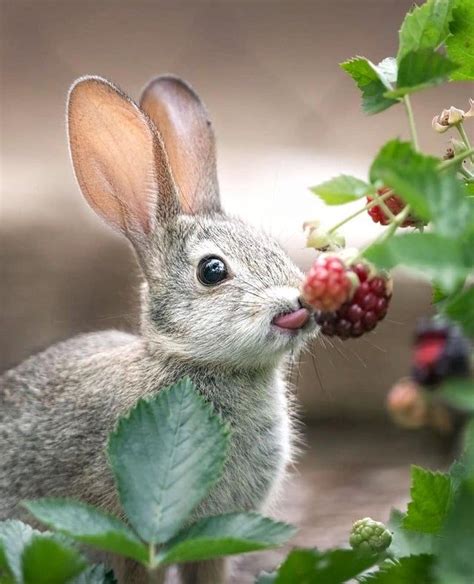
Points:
(211, 271)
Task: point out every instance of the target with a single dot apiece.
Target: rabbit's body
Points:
(220, 304)
(50, 405)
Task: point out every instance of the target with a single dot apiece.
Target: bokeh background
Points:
(286, 117)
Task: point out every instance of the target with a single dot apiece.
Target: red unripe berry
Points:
(327, 284)
(395, 204)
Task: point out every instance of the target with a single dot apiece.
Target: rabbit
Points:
(220, 303)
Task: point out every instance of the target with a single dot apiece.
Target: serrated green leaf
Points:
(461, 309)
(458, 393)
(420, 69)
(431, 498)
(425, 27)
(460, 44)
(45, 560)
(429, 254)
(166, 455)
(455, 558)
(225, 535)
(14, 536)
(410, 570)
(96, 575)
(434, 195)
(368, 80)
(323, 567)
(342, 189)
(405, 542)
(89, 525)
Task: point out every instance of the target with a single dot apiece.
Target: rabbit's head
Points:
(216, 290)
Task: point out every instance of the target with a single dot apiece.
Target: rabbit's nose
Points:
(293, 320)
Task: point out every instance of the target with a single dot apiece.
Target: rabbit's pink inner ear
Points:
(183, 123)
(118, 158)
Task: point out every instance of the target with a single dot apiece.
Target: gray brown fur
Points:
(57, 407)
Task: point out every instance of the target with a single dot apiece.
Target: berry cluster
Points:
(356, 314)
(395, 204)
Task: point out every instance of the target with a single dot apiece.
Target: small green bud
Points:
(321, 239)
(369, 535)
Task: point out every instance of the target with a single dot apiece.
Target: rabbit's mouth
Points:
(292, 321)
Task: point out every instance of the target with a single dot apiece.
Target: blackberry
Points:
(440, 351)
(361, 314)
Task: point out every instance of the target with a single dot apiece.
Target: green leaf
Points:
(406, 542)
(96, 575)
(458, 471)
(327, 567)
(420, 69)
(460, 45)
(468, 455)
(89, 525)
(432, 255)
(225, 535)
(437, 294)
(46, 560)
(455, 557)
(410, 570)
(372, 82)
(469, 189)
(425, 27)
(342, 189)
(387, 71)
(431, 498)
(461, 309)
(14, 536)
(434, 195)
(459, 393)
(166, 455)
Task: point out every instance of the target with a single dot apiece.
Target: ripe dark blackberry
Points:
(440, 351)
(363, 311)
(395, 204)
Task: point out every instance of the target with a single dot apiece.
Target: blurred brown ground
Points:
(286, 117)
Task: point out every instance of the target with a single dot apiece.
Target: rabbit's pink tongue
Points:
(294, 320)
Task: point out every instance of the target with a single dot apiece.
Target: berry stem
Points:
(376, 200)
(464, 136)
(395, 224)
(466, 174)
(411, 121)
(455, 159)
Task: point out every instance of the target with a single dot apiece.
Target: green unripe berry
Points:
(369, 535)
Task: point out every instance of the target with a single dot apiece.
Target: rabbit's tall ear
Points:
(183, 123)
(118, 158)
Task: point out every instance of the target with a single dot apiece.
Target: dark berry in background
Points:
(440, 351)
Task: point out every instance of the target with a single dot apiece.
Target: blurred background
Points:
(286, 117)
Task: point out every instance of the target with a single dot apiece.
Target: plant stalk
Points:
(464, 136)
(373, 203)
(411, 121)
(456, 159)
